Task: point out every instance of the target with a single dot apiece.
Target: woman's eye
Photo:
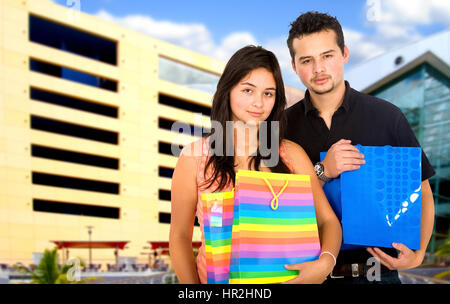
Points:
(268, 94)
(248, 90)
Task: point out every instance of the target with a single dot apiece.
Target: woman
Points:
(250, 91)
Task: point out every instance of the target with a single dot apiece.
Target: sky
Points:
(218, 28)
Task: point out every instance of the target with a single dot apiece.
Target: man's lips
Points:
(320, 80)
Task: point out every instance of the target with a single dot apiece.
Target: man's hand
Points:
(406, 259)
(341, 157)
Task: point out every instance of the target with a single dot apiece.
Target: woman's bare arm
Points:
(184, 201)
(330, 230)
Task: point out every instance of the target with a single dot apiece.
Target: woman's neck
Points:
(245, 140)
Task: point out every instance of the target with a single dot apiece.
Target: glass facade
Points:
(423, 95)
(187, 76)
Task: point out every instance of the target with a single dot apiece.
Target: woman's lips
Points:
(255, 114)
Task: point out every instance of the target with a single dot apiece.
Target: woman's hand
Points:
(314, 272)
(406, 259)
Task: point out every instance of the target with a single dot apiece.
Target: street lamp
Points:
(90, 249)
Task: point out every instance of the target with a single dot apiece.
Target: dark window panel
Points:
(167, 124)
(164, 195)
(74, 183)
(166, 172)
(54, 126)
(75, 209)
(72, 40)
(72, 102)
(165, 148)
(72, 75)
(183, 105)
(74, 157)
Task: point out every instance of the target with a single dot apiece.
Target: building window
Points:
(74, 157)
(72, 102)
(167, 124)
(164, 195)
(72, 40)
(72, 75)
(75, 209)
(183, 105)
(74, 183)
(64, 128)
(166, 148)
(164, 218)
(165, 172)
(187, 76)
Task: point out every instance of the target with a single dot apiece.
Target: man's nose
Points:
(319, 67)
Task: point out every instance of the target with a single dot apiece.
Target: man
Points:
(333, 118)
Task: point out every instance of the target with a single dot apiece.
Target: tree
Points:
(49, 272)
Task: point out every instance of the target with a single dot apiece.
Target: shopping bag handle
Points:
(275, 196)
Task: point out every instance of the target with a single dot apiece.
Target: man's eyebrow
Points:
(306, 57)
(252, 85)
(329, 51)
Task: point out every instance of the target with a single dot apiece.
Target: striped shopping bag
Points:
(274, 224)
(218, 223)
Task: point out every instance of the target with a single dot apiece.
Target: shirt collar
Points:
(346, 103)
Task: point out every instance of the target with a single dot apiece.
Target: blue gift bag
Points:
(332, 190)
(381, 201)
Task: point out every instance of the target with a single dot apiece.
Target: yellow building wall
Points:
(24, 231)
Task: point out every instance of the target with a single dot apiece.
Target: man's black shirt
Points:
(363, 119)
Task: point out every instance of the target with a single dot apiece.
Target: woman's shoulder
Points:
(191, 155)
(296, 154)
(195, 149)
(292, 147)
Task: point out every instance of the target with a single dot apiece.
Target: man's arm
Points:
(341, 157)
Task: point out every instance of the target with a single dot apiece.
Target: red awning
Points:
(165, 245)
(92, 244)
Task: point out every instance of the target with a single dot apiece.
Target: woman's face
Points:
(253, 97)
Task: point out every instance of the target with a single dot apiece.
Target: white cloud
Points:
(360, 47)
(415, 12)
(397, 26)
(198, 38)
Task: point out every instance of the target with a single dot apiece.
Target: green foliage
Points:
(444, 249)
(442, 275)
(49, 272)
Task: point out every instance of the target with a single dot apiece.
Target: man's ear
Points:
(293, 66)
(346, 54)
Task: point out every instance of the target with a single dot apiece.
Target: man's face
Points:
(319, 62)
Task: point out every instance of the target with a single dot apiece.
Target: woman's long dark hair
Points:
(240, 65)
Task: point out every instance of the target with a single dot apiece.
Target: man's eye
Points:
(328, 56)
(306, 61)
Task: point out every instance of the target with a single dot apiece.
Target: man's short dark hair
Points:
(314, 22)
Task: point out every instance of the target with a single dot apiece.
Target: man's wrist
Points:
(319, 168)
